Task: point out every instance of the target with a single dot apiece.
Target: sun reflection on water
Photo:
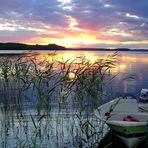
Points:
(123, 64)
(68, 57)
(120, 68)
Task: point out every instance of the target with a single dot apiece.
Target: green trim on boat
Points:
(126, 130)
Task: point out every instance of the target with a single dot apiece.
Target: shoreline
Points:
(19, 52)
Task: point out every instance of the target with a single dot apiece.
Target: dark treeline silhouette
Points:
(101, 49)
(18, 46)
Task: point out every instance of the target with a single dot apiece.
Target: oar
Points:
(145, 110)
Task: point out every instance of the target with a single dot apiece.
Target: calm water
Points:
(65, 126)
(129, 64)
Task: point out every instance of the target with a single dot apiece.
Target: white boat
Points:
(126, 118)
(144, 95)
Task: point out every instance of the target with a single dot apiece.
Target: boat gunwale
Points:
(138, 113)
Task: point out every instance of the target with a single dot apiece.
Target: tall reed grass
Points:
(50, 104)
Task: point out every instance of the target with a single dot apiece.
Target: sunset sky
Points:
(75, 23)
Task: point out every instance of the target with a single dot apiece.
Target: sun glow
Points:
(74, 42)
(71, 41)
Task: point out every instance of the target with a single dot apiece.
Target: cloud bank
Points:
(75, 23)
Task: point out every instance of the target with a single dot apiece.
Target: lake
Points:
(128, 63)
(43, 104)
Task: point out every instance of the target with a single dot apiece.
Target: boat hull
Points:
(130, 135)
(131, 142)
(126, 118)
(129, 131)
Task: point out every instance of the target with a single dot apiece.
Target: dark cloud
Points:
(33, 10)
(137, 7)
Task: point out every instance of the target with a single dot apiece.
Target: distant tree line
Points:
(18, 46)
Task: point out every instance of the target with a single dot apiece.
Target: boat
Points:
(144, 95)
(126, 118)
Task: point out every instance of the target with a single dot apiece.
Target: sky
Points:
(76, 23)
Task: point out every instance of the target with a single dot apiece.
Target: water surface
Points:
(32, 116)
(129, 64)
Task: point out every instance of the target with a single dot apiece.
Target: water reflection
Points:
(128, 63)
(135, 64)
(119, 68)
(39, 102)
(32, 115)
(92, 57)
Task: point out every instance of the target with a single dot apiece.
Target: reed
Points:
(51, 103)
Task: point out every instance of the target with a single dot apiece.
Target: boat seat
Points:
(118, 106)
(128, 105)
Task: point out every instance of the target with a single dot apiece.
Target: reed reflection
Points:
(50, 91)
(123, 63)
(61, 87)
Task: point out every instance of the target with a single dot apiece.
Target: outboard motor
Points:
(144, 95)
